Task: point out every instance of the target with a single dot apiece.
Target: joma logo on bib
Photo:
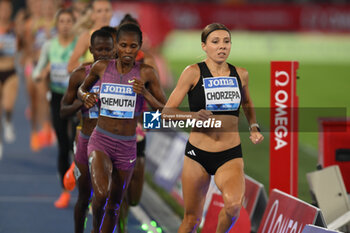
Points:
(117, 89)
(220, 82)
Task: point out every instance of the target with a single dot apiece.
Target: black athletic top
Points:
(221, 90)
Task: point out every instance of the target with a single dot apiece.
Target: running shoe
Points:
(9, 133)
(47, 135)
(63, 200)
(35, 142)
(69, 178)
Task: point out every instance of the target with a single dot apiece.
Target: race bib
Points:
(59, 75)
(221, 94)
(93, 112)
(7, 45)
(117, 100)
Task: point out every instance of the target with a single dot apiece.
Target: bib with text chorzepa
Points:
(221, 93)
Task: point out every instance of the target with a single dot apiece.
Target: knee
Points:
(112, 210)
(191, 222)
(133, 200)
(84, 199)
(232, 208)
(100, 198)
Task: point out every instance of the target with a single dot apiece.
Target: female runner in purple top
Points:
(112, 145)
(101, 48)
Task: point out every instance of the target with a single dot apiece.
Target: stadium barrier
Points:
(334, 137)
(285, 213)
(328, 189)
(316, 229)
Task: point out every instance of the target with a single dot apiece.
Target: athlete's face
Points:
(102, 48)
(101, 13)
(218, 46)
(65, 24)
(128, 46)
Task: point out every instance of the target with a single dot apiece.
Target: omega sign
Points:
(282, 113)
(283, 127)
(286, 214)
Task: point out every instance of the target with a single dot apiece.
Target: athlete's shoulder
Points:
(77, 77)
(145, 67)
(100, 64)
(243, 73)
(191, 70)
(147, 70)
(79, 69)
(78, 73)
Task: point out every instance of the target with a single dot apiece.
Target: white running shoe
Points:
(9, 133)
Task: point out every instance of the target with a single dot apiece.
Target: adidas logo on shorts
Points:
(191, 152)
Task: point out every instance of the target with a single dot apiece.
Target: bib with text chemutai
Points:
(221, 93)
(117, 100)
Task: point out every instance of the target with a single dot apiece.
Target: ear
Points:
(204, 47)
(90, 49)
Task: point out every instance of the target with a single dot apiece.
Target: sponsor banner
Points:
(164, 176)
(285, 213)
(169, 155)
(284, 128)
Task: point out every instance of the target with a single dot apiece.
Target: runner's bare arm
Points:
(97, 69)
(81, 47)
(153, 94)
(149, 60)
(70, 104)
(248, 107)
